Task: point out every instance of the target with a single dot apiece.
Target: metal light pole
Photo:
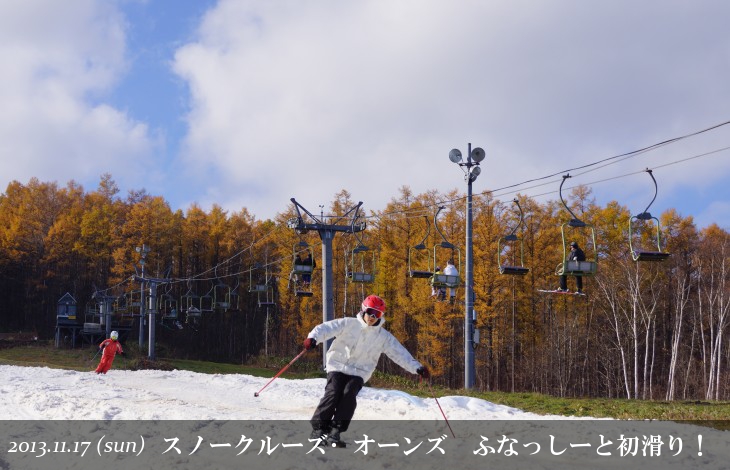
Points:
(152, 309)
(472, 170)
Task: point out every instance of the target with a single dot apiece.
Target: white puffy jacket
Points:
(357, 346)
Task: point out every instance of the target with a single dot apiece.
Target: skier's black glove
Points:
(423, 372)
(310, 343)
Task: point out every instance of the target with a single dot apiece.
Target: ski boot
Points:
(319, 434)
(333, 439)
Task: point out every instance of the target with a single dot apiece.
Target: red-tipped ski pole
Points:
(280, 372)
(442, 410)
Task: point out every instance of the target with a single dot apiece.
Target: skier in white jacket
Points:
(351, 360)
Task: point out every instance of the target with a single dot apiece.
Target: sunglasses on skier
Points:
(373, 313)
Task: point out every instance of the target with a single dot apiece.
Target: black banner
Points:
(272, 445)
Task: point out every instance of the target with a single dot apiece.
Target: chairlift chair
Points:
(439, 279)
(256, 283)
(302, 269)
(637, 253)
(167, 306)
(418, 254)
(514, 242)
(190, 301)
(359, 259)
(447, 280)
(207, 301)
(366, 265)
(168, 309)
(221, 295)
(130, 304)
(120, 305)
(261, 284)
(571, 267)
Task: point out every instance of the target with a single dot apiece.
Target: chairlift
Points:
(134, 301)
(128, 304)
(207, 302)
(363, 258)
(516, 245)
(440, 279)
(417, 254)
(637, 253)
(190, 301)
(167, 305)
(120, 305)
(571, 267)
(302, 270)
(261, 284)
(221, 294)
(358, 259)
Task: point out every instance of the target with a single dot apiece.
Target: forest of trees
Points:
(644, 330)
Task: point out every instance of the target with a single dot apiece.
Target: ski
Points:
(563, 292)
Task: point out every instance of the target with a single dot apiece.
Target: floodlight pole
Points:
(472, 171)
(469, 367)
(327, 233)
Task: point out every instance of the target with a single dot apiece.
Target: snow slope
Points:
(42, 404)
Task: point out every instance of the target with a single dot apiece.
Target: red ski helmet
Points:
(375, 303)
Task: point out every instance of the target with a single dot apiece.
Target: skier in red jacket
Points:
(111, 347)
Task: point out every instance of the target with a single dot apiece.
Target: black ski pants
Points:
(338, 404)
(564, 282)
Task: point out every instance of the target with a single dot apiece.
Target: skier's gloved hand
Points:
(423, 372)
(310, 343)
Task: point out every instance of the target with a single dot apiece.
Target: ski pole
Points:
(97, 353)
(280, 372)
(442, 410)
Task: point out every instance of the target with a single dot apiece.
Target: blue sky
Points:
(149, 91)
(248, 103)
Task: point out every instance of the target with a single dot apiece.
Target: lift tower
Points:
(326, 232)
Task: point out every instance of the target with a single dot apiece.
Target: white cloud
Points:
(302, 99)
(305, 98)
(60, 59)
(717, 212)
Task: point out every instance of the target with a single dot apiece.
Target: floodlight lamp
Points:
(291, 223)
(478, 154)
(476, 171)
(455, 155)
